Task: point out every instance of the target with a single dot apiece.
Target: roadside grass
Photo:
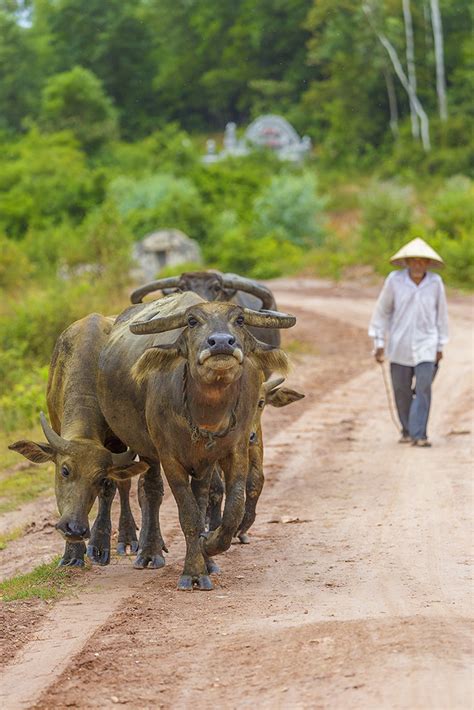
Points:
(48, 581)
(24, 486)
(10, 536)
(11, 458)
(299, 347)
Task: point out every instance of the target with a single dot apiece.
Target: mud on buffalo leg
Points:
(216, 494)
(150, 497)
(235, 468)
(191, 521)
(73, 555)
(253, 490)
(127, 535)
(98, 549)
(200, 489)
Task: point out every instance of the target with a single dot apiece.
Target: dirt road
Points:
(356, 589)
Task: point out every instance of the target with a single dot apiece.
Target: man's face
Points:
(417, 267)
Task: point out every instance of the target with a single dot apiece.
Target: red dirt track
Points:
(355, 591)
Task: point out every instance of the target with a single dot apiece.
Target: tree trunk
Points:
(392, 53)
(410, 52)
(392, 101)
(439, 55)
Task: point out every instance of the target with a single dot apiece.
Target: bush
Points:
(75, 100)
(290, 206)
(21, 404)
(453, 207)
(14, 265)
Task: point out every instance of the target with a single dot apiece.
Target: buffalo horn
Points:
(62, 446)
(160, 325)
(239, 284)
(270, 385)
(268, 319)
(123, 459)
(139, 293)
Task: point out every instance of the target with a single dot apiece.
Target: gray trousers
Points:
(413, 407)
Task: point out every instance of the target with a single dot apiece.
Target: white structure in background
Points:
(167, 247)
(270, 131)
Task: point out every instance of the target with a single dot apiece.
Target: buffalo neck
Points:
(211, 406)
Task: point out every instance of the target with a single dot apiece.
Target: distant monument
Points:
(269, 131)
(166, 247)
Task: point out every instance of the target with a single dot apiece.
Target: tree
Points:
(75, 101)
(439, 56)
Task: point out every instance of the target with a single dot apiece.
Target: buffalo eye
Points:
(65, 472)
(261, 403)
(239, 320)
(192, 321)
(216, 288)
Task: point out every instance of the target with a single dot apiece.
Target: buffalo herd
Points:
(175, 385)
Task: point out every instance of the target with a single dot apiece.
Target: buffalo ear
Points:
(283, 396)
(38, 453)
(123, 473)
(158, 357)
(274, 360)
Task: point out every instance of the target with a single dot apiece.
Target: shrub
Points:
(21, 404)
(14, 265)
(453, 207)
(291, 207)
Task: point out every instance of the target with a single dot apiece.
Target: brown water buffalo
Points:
(270, 394)
(183, 390)
(80, 443)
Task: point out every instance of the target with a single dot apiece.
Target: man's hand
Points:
(379, 355)
(439, 356)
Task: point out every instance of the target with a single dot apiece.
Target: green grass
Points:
(24, 486)
(299, 347)
(47, 581)
(10, 536)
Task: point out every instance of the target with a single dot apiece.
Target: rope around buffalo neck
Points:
(196, 431)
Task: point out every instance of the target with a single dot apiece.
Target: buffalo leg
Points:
(216, 494)
(127, 533)
(150, 497)
(235, 468)
(195, 571)
(200, 489)
(73, 555)
(253, 490)
(98, 549)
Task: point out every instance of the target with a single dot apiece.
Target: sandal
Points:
(424, 443)
(405, 439)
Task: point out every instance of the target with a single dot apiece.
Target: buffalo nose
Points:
(220, 340)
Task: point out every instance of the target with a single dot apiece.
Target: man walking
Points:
(412, 310)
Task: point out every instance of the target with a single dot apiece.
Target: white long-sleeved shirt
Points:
(415, 318)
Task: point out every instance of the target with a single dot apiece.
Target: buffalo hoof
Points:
(204, 583)
(154, 562)
(98, 556)
(122, 547)
(244, 538)
(212, 567)
(185, 583)
(68, 562)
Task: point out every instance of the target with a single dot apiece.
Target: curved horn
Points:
(170, 282)
(160, 325)
(270, 385)
(62, 446)
(247, 286)
(124, 459)
(268, 319)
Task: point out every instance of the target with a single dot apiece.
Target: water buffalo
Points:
(184, 392)
(79, 442)
(270, 393)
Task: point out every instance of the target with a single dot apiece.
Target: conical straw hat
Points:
(417, 248)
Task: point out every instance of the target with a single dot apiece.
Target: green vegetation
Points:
(45, 582)
(10, 537)
(104, 111)
(24, 486)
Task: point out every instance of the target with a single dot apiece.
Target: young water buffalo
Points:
(79, 443)
(188, 398)
(270, 393)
